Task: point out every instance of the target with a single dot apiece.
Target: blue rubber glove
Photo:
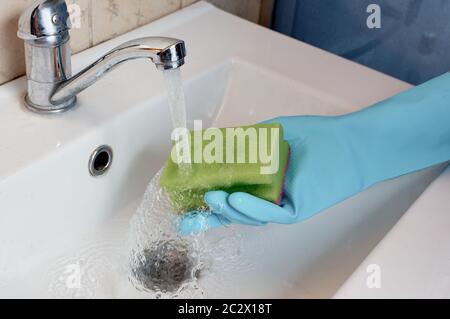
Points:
(333, 158)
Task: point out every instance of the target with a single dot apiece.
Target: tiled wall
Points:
(99, 21)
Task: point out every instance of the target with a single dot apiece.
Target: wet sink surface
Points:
(57, 220)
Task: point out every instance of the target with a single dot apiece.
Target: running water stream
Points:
(175, 95)
(162, 263)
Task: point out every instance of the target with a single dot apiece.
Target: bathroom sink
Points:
(57, 221)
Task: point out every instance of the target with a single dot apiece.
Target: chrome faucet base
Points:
(61, 108)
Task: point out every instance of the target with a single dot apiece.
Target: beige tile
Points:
(81, 24)
(185, 3)
(247, 9)
(115, 17)
(153, 9)
(12, 62)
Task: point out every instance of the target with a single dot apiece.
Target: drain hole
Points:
(100, 160)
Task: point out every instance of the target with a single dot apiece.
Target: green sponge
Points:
(186, 184)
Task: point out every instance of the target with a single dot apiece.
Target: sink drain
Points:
(164, 267)
(100, 160)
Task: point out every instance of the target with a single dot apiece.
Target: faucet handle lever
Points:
(45, 21)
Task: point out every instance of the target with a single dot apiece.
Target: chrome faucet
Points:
(51, 87)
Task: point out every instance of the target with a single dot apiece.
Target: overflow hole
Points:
(100, 160)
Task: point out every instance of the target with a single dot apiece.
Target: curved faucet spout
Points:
(165, 53)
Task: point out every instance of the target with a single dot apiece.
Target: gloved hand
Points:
(333, 158)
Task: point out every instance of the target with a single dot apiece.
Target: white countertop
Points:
(414, 257)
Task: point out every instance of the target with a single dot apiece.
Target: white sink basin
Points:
(54, 215)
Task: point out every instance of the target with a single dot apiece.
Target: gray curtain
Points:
(413, 43)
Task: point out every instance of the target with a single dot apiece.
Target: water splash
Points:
(165, 265)
(161, 262)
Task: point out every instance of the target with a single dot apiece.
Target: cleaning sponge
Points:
(251, 159)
